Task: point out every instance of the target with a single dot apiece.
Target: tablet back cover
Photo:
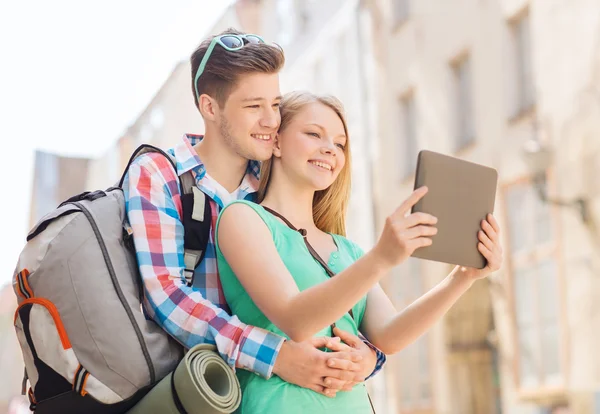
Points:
(460, 195)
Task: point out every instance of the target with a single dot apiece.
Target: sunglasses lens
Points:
(253, 39)
(232, 42)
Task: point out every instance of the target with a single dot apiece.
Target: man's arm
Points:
(153, 206)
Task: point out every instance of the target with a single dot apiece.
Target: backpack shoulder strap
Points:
(144, 149)
(197, 215)
(197, 221)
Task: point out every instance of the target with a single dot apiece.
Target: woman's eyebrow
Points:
(318, 126)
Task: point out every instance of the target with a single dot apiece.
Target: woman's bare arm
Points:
(248, 247)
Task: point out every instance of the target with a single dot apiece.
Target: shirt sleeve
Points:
(153, 206)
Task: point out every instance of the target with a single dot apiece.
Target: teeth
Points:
(262, 137)
(321, 164)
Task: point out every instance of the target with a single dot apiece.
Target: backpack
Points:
(86, 343)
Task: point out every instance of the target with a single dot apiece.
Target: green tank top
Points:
(275, 395)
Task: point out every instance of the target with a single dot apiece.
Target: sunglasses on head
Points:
(231, 42)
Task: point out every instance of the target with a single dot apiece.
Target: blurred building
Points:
(55, 178)
(169, 115)
(480, 80)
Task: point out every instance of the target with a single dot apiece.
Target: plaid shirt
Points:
(196, 314)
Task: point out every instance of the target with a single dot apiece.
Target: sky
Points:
(73, 76)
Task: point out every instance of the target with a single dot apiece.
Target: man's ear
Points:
(208, 107)
(277, 147)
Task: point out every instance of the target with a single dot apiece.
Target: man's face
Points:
(250, 117)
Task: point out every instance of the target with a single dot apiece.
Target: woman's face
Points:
(311, 149)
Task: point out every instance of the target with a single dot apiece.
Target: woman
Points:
(272, 276)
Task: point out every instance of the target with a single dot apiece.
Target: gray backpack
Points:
(86, 343)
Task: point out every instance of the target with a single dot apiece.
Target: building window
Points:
(409, 135)
(462, 103)
(413, 362)
(401, 10)
(524, 88)
(535, 282)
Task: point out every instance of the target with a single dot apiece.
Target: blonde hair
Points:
(331, 204)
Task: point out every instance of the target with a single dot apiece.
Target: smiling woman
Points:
(322, 118)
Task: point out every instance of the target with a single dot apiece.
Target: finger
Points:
(322, 341)
(334, 383)
(316, 388)
(483, 238)
(352, 355)
(411, 201)
(322, 390)
(348, 386)
(343, 364)
(339, 346)
(329, 393)
(492, 220)
(347, 376)
(489, 230)
(350, 339)
(419, 242)
(419, 218)
(420, 231)
(485, 252)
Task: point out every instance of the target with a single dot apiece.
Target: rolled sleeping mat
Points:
(202, 383)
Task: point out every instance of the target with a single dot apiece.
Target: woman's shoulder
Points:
(244, 212)
(239, 209)
(239, 205)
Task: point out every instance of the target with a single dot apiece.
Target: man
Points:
(236, 89)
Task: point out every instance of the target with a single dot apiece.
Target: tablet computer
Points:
(461, 194)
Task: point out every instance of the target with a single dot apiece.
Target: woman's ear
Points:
(277, 146)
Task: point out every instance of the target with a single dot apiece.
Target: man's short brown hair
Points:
(224, 67)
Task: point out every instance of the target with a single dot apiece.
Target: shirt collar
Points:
(187, 159)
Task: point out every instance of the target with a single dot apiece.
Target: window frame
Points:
(408, 142)
(463, 136)
(536, 255)
(521, 104)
